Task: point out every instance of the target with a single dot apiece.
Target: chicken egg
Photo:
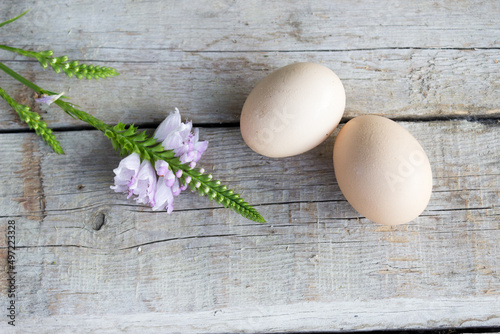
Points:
(292, 110)
(382, 170)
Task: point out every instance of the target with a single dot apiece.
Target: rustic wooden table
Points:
(90, 261)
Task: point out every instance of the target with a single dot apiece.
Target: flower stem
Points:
(24, 81)
(13, 19)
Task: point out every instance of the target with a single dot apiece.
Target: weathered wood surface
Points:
(416, 60)
(315, 265)
(91, 261)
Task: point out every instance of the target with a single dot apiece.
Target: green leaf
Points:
(13, 19)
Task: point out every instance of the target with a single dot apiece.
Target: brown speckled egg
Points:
(382, 170)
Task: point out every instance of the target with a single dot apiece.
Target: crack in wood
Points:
(179, 238)
(461, 209)
(490, 119)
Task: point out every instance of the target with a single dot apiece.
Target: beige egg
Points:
(382, 170)
(292, 110)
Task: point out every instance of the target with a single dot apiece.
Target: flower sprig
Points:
(176, 163)
(62, 63)
(130, 141)
(70, 68)
(34, 122)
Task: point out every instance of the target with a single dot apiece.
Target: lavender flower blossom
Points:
(48, 99)
(178, 136)
(126, 174)
(145, 184)
(159, 185)
(164, 196)
(162, 169)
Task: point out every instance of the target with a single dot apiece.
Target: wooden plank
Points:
(212, 87)
(302, 317)
(315, 265)
(141, 27)
(408, 60)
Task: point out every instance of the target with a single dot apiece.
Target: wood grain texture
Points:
(256, 25)
(316, 264)
(172, 56)
(91, 261)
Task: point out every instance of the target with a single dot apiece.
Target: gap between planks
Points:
(483, 119)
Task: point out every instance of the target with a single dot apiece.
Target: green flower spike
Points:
(34, 122)
(70, 68)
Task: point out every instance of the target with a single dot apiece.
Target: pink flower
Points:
(126, 174)
(178, 136)
(48, 99)
(162, 169)
(164, 197)
(136, 178)
(191, 149)
(159, 185)
(145, 184)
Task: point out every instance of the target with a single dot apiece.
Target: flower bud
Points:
(47, 53)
